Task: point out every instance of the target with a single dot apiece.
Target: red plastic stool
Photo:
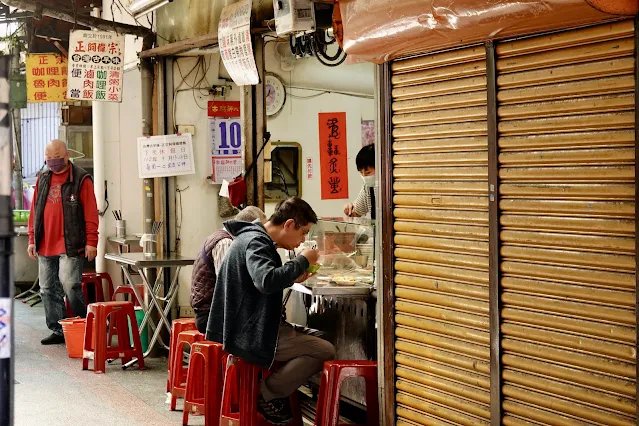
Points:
(119, 313)
(334, 374)
(128, 290)
(178, 372)
(206, 365)
(177, 326)
(96, 279)
(242, 383)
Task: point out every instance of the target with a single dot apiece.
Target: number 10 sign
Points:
(226, 148)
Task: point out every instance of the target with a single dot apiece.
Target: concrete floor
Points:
(53, 390)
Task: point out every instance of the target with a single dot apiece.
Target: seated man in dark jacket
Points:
(247, 303)
(207, 264)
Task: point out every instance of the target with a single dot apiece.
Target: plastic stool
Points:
(334, 374)
(119, 314)
(242, 383)
(92, 278)
(96, 279)
(177, 326)
(178, 372)
(128, 290)
(206, 365)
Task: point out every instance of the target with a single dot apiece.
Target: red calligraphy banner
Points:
(333, 155)
(224, 109)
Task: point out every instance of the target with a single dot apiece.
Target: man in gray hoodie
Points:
(247, 304)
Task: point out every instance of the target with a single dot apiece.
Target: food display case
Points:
(347, 257)
(339, 300)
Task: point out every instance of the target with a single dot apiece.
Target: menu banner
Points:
(333, 155)
(96, 64)
(46, 77)
(234, 35)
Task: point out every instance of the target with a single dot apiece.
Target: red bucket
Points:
(73, 329)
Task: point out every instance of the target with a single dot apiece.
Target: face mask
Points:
(369, 181)
(56, 165)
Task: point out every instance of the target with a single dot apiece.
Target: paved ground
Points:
(53, 390)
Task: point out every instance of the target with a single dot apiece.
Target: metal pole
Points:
(17, 131)
(6, 252)
(99, 179)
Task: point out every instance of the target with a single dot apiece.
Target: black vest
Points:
(75, 235)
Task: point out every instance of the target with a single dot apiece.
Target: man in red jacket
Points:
(63, 231)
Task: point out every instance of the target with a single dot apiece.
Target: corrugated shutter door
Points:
(441, 234)
(566, 140)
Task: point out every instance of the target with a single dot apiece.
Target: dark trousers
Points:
(201, 319)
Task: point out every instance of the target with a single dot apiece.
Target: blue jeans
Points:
(60, 275)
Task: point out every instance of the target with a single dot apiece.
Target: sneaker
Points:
(276, 411)
(54, 339)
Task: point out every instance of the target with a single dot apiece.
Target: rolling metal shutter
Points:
(441, 238)
(567, 210)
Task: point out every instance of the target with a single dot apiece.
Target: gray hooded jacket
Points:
(247, 302)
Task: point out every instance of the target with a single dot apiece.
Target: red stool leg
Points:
(137, 343)
(88, 333)
(99, 352)
(320, 409)
(249, 382)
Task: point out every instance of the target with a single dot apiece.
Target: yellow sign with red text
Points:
(46, 77)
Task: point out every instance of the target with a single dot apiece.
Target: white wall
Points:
(124, 187)
(298, 119)
(200, 216)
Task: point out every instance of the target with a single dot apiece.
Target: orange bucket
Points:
(73, 329)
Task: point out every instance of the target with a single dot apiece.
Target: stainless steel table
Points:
(144, 263)
(122, 242)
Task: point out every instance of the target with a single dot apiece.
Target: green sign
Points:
(18, 97)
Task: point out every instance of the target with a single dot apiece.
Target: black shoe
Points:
(276, 411)
(54, 339)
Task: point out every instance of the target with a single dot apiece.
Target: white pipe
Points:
(97, 109)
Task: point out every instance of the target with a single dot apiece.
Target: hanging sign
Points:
(5, 327)
(333, 155)
(162, 156)
(225, 129)
(46, 77)
(236, 50)
(96, 63)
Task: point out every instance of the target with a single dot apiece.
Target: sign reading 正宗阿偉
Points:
(46, 77)
(225, 128)
(236, 50)
(162, 156)
(333, 155)
(96, 63)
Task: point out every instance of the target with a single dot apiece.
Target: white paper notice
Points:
(96, 63)
(5, 327)
(234, 35)
(162, 156)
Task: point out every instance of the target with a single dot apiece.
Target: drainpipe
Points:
(17, 127)
(99, 183)
(146, 71)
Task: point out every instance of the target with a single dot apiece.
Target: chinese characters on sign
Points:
(309, 168)
(234, 35)
(96, 63)
(162, 156)
(46, 78)
(333, 155)
(225, 128)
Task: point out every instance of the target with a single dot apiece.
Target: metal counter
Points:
(347, 315)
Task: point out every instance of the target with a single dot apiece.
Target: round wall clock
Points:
(275, 94)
